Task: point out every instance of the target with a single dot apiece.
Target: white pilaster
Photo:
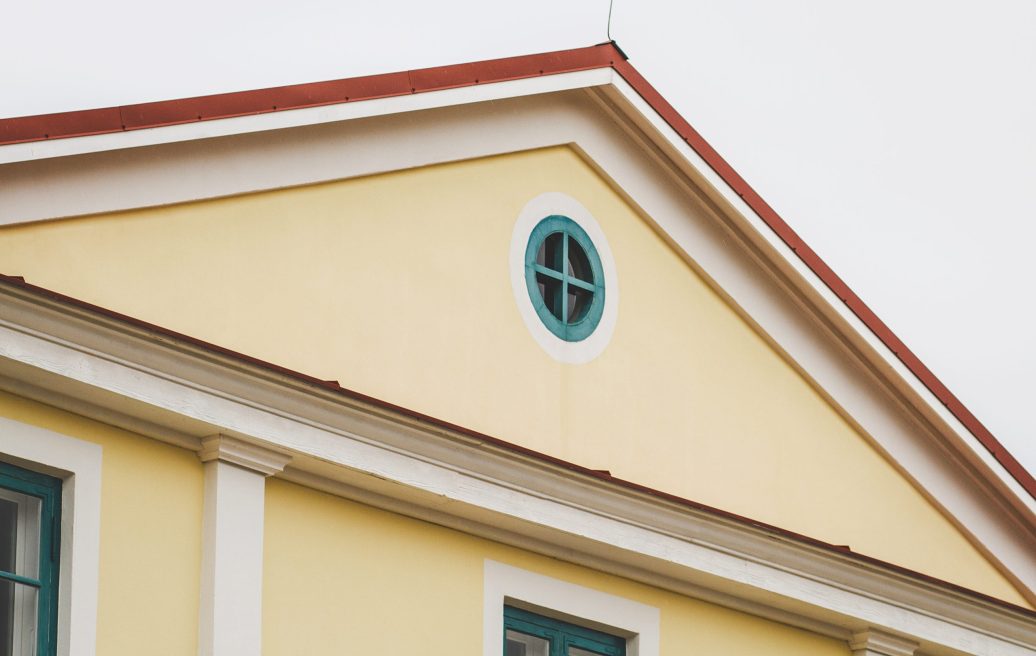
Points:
(879, 643)
(230, 621)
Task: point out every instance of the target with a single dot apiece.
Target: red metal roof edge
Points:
(334, 387)
(171, 112)
(139, 116)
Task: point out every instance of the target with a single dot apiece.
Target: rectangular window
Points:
(529, 634)
(30, 516)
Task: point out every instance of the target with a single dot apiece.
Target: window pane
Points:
(17, 619)
(576, 651)
(19, 533)
(550, 290)
(550, 252)
(520, 644)
(578, 262)
(579, 301)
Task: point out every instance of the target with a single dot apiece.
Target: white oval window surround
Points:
(571, 344)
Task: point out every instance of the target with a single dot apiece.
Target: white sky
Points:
(898, 138)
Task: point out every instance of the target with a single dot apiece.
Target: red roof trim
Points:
(297, 96)
(171, 112)
(333, 386)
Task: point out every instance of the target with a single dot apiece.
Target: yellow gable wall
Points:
(150, 558)
(398, 286)
(340, 577)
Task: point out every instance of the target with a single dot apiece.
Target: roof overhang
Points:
(821, 325)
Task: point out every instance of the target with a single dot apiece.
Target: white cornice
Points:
(436, 471)
(879, 643)
(243, 454)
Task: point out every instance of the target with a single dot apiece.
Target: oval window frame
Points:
(537, 209)
(582, 328)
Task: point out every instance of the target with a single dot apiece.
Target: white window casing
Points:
(78, 464)
(504, 584)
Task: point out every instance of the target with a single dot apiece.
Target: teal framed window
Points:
(565, 278)
(30, 520)
(529, 634)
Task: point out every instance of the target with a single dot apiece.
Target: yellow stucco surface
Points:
(150, 558)
(398, 286)
(340, 577)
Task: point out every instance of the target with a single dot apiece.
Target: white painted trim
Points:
(540, 207)
(78, 463)
(37, 150)
(231, 609)
(237, 452)
(879, 643)
(504, 584)
(432, 469)
(210, 168)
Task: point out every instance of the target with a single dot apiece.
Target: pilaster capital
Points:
(873, 642)
(243, 454)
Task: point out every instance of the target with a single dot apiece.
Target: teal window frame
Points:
(48, 490)
(583, 326)
(560, 634)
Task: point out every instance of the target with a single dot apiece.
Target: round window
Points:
(564, 277)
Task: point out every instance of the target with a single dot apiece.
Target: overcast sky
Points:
(898, 138)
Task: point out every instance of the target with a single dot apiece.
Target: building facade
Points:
(498, 357)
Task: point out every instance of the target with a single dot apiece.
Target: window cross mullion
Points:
(547, 271)
(582, 284)
(564, 278)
